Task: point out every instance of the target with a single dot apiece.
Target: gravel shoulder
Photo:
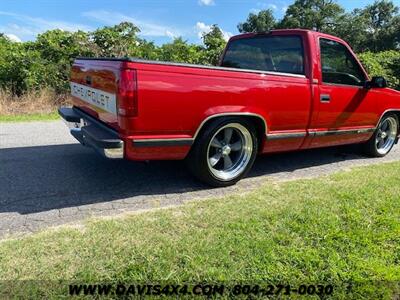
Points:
(48, 179)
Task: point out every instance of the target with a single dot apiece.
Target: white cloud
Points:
(284, 9)
(227, 35)
(13, 37)
(277, 5)
(22, 31)
(170, 34)
(146, 28)
(202, 28)
(273, 7)
(206, 2)
(255, 11)
(31, 26)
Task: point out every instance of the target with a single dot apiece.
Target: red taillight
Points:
(127, 93)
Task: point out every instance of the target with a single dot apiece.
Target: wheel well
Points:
(395, 112)
(257, 121)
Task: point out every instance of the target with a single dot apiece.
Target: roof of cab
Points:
(284, 31)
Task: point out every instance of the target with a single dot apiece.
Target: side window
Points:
(266, 53)
(338, 64)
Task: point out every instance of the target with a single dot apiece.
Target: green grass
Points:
(340, 229)
(30, 117)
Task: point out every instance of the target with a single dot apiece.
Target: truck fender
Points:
(226, 111)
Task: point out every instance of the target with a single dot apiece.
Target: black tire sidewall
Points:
(199, 153)
(371, 147)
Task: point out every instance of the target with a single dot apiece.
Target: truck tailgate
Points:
(94, 88)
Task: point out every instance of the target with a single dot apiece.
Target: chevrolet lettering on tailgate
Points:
(96, 97)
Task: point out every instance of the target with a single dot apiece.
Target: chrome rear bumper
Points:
(92, 133)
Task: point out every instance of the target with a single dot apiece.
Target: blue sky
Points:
(159, 20)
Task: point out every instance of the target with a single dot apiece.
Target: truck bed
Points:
(172, 95)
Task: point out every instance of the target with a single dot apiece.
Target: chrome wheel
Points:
(229, 151)
(386, 135)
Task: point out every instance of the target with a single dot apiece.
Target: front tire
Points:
(384, 137)
(224, 152)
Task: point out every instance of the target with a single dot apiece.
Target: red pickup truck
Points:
(277, 91)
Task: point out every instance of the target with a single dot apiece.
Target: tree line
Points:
(372, 31)
(46, 62)
(375, 27)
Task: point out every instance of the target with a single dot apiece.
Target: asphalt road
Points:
(48, 179)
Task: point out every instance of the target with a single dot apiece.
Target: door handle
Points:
(325, 98)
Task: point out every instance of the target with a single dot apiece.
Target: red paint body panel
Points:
(174, 101)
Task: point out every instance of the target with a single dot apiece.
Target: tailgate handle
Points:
(88, 80)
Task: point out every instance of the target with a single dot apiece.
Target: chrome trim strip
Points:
(229, 114)
(190, 141)
(273, 136)
(289, 135)
(340, 132)
(343, 85)
(163, 142)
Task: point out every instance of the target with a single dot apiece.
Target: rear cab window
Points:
(282, 54)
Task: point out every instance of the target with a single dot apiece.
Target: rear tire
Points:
(384, 137)
(224, 152)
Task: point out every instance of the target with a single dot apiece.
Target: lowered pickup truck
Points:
(278, 91)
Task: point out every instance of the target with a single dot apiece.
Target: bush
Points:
(24, 68)
(46, 62)
(384, 64)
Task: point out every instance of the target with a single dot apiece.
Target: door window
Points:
(338, 64)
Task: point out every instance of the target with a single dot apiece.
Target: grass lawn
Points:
(341, 229)
(30, 117)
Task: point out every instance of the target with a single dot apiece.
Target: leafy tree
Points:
(383, 64)
(21, 69)
(382, 26)
(46, 62)
(58, 49)
(351, 28)
(10, 74)
(116, 41)
(57, 45)
(396, 69)
(319, 15)
(214, 43)
(144, 49)
(180, 51)
(374, 28)
(260, 22)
